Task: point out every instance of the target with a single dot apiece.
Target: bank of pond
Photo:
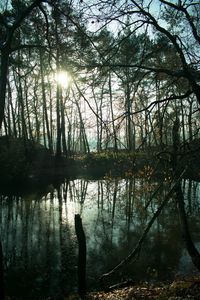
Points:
(31, 163)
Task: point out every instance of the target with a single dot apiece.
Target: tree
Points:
(174, 73)
(10, 22)
(170, 54)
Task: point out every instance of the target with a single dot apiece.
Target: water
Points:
(40, 245)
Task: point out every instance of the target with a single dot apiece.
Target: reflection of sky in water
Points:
(39, 242)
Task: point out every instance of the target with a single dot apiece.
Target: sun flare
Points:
(63, 78)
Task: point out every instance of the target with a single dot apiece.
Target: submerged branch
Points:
(137, 249)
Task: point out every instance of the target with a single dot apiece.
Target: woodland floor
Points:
(177, 290)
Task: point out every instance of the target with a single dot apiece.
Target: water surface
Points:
(40, 246)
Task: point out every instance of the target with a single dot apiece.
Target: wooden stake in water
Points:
(81, 255)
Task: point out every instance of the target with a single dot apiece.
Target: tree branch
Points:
(186, 68)
(173, 97)
(19, 20)
(187, 15)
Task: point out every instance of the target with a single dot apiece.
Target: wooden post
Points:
(2, 295)
(81, 255)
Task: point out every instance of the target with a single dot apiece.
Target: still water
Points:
(40, 245)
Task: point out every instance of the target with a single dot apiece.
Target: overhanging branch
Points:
(172, 97)
(152, 104)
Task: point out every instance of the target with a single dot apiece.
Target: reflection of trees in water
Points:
(38, 233)
(191, 190)
(35, 243)
(115, 234)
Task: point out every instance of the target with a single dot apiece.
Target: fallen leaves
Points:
(178, 290)
(127, 293)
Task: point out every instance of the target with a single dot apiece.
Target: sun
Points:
(63, 78)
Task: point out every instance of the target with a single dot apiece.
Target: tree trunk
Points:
(3, 80)
(44, 101)
(63, 132)
(112, 113)
(58, 122)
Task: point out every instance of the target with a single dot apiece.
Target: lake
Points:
(40, 246)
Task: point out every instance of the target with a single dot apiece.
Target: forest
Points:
(99, 106)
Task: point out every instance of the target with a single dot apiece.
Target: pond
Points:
(40, 246)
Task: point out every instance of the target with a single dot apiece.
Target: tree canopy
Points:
(134, 66)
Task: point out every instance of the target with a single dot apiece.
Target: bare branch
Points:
(152, 104)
